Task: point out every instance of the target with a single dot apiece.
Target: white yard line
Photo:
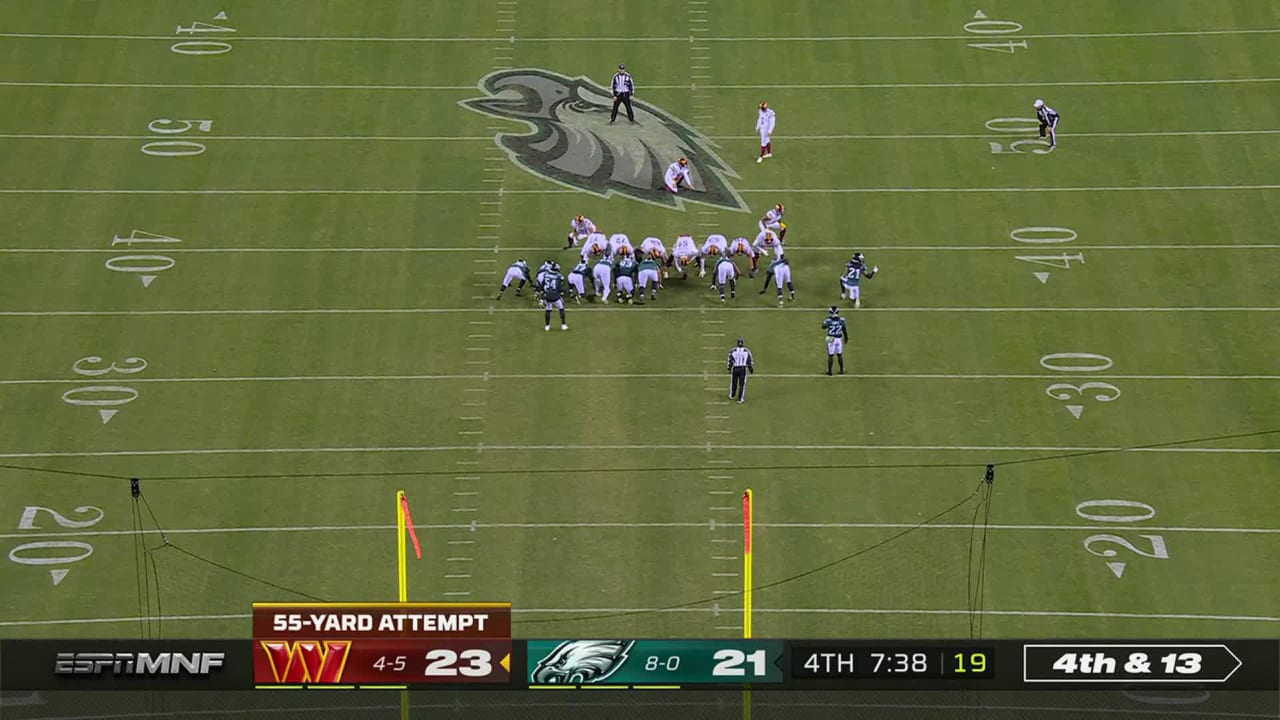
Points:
(590, 38)
(488, 250)
(595, 448)
(651, 309)
(700, 525)
(763, 611)
(797, 87)
(630, 376)
(565, 191)
(790, 138)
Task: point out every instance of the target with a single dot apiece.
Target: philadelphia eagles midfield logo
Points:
(570, 140)
(581, 662)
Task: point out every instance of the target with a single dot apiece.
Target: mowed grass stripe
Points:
(695, 525)
(790, 87)
(517, 39)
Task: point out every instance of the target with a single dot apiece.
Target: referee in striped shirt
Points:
(740, 364)
(623, 88)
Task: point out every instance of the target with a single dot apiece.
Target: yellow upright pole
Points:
(402, 577)
(402, 569)
(748, 520)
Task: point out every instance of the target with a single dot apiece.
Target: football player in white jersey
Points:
(602, 274)
(580, 228)
(742, 246)
(765, 122)
(716, 245)
(653, 247)
(766, 241)
(726, 274)
(683, 255)
(617, 241)
(678, 172)
(595, 247)
(772, 220)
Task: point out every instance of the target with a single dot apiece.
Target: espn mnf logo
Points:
(158, 664)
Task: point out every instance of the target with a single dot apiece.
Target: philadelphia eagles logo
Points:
(571, 142)
(581, 662)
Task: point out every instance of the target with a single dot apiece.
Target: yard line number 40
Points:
(203, 30)
(982, 26)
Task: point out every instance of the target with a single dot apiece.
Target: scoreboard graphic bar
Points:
(446, 657)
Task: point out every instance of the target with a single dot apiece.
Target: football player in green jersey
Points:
(519, 270)
(726, 274)
(780, 271)
(578, 281)
(552, 287)
(624, 274)
(649, 278)
(851, 282)
(837, 333)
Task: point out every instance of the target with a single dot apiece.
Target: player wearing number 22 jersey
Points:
(837, 334)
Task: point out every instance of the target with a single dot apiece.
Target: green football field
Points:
(253, 261)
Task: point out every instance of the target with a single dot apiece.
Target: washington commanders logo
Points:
(570, 140)
(306, 661)
(581, 662)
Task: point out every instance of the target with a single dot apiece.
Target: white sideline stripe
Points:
(790, 611)
(642, 39)
(1114, 527)
(487, 250)
(591, 448)
(503, 159)
(682, 86)
(631, 376)
(565, 191)
(490, 310)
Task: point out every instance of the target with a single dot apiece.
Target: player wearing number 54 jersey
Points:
(837, 335)
(552, 286)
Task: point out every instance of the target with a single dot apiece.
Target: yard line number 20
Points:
(44, 553)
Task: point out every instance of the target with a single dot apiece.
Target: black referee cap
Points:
(741, 342)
